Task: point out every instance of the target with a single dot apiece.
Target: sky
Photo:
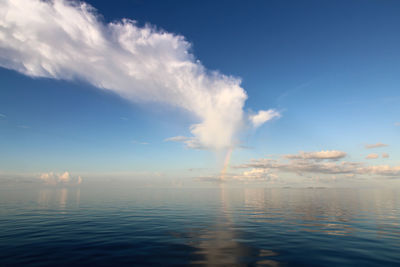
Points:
(274, 92)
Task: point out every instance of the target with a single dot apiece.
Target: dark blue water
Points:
(122, 225)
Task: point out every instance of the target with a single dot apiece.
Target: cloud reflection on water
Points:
(220, 226)
(59, 197)
(223, 244)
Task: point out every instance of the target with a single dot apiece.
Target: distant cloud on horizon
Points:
(66, 40)
(321, 163)
(64, 178)
(266, 168)
(319, 155)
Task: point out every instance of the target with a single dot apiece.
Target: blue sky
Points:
(329, 68)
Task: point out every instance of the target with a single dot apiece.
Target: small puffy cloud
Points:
(64, 178)
(263, 116)
(2, 116)
(375, 145)
(318, 155)
(372, 156)
(397, 124)
(385, 155)
(255, 174)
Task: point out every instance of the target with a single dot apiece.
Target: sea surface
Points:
(122, 225)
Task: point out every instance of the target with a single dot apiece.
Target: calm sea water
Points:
(122, 225)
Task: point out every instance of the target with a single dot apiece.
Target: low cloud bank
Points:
(321, 163)
(328, 163)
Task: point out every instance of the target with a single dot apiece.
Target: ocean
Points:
(123, 225)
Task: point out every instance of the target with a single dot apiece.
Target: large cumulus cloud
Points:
(66, 40)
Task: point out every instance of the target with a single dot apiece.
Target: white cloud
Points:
(65, 178)
(372, 156)
(65, 40)
(318, 155)
(375, 145)
(256, 174)
(263, 116)
(385, 155)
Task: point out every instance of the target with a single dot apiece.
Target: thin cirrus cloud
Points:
(65, 40)
(190, 142)
(375, 145)
(139, 142)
